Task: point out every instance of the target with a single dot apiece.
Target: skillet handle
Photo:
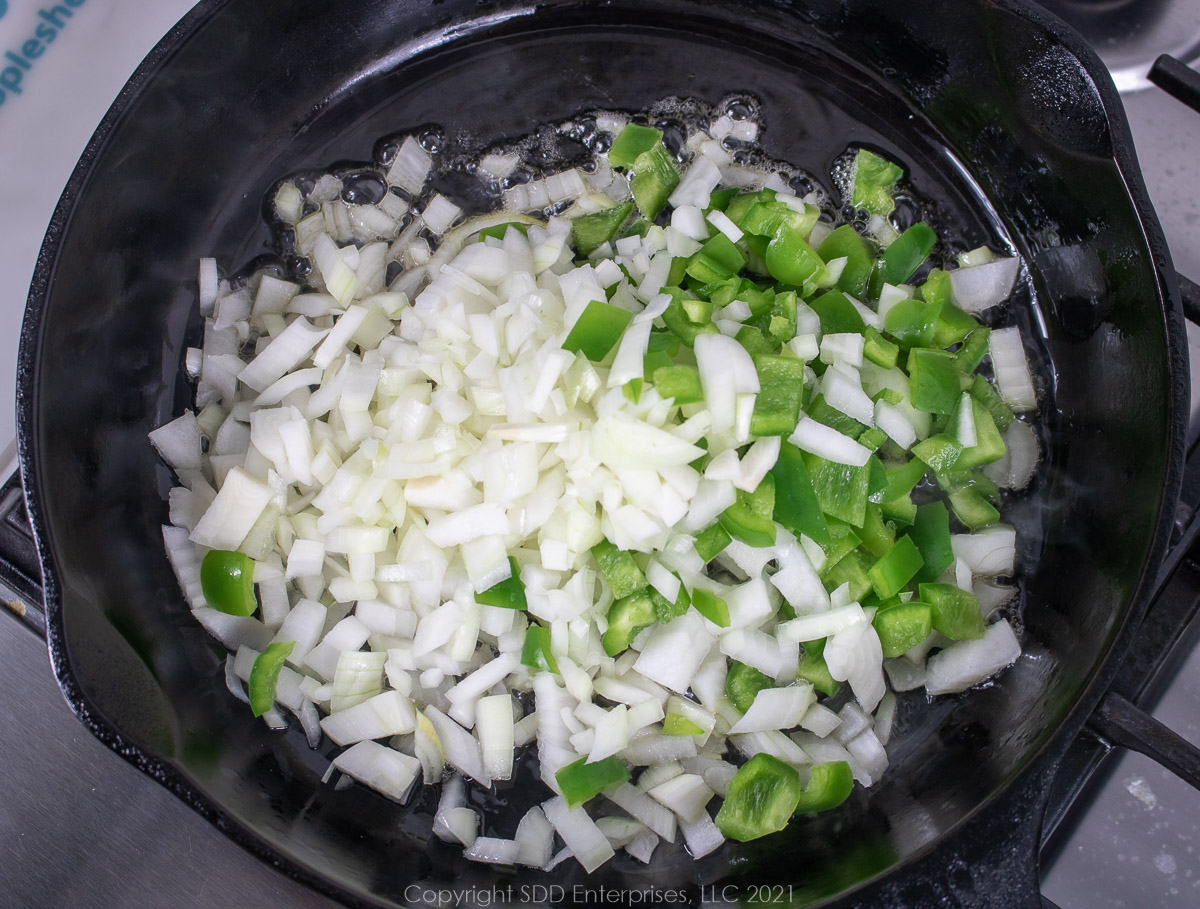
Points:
(20, 571)
(1119, 722)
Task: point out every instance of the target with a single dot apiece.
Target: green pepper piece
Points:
(762, 796)
(754, 341)
(664, 609)
(956, 613)
(934, 376)
(901, 480)
(264, 676)
(906, 253)
(830, 785)
(632, 141)
(227, 580)
(900, 565)
(626, 617)
(930, 533)
(972, 509)
(989, 444)
(796, 505)
(780, 396)
(743, 202)
(901, 511)
(711, 606)
(903, 626)
(620, 570)
(677, 724)
(680, 383)
(535, 652)
(597, 330)
(654, 178)
(834, 418)
(743, 683)
(877, 537)
(749, 518)
(837, 314)
(712, 541)
(581, 781)
(983, 392)
(973, 349)
(676, 319)
(953, 325)
(814, 669)
(874, 178)
(508, 594)
(912, 322)
(720, 199)
(841, 489)
(847, 242)
(781, 324)
(791, 260)
(677, 272)
(497, 231)
(878, 349)
(765, 218)
(851, 569)
(595, 229)
(936, 289)
(938, 452)
(718, 258)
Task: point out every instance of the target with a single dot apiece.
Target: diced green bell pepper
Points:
(935, 381)
(989, 444)
(894, 570)
(830, 784)
(597, 330)
(595, 229)
(681, 383)
(264, 676)
(497, 231)
(983, 392)
(877, 536)
(930, 533)
(762, 797)
(718, 258)
(837, 314)
(851, 569)
(508, 594)
(878, 349)
(845, 241)
(227, 581)
(620, 570)
(912, 322)
(972, 509)
(632, 141)
(841, 489)
(780, 395)
(938, 452)
(626, 617)
(743, 683)
(654, 179)
(874, 178)
(903, 626)
(814, 670)
(535, 652)
(749, 519)
(682, 325)
(711, 606)
(907, 252)
(580, 781)
(796, 505)
(712, 541)
(791, 260)
(956, 613)
(972, 350)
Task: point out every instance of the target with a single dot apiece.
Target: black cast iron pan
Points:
(1013, 134)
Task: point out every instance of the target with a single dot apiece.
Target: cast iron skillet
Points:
(1009, 125)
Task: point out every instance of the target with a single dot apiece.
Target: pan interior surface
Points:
(1007, 141)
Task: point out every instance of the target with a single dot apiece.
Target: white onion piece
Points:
(589, 846)
(980, 287)
(826, 442)
(1013, 379)
(390, 713)
(965, 664)
(990, 551)
(384, 769)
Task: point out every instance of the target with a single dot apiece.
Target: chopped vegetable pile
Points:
(662, 472)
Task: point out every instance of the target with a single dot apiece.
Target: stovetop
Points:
(82, 828)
